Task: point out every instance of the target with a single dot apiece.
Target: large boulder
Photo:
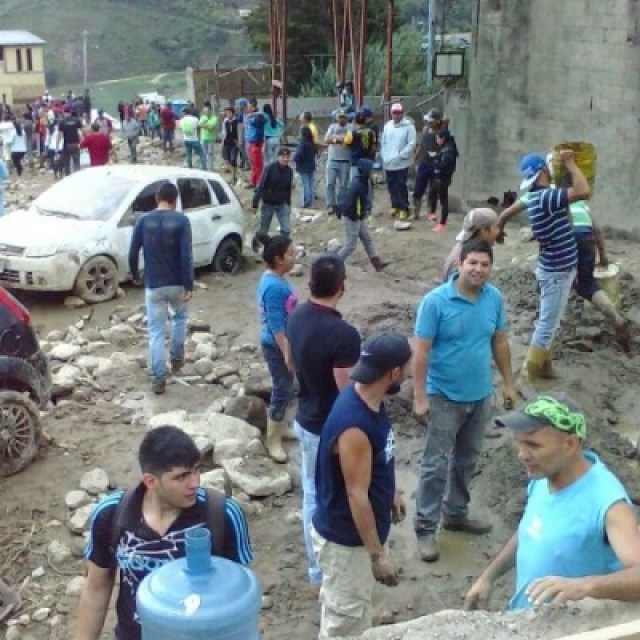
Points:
(251, 409)
(258, 477)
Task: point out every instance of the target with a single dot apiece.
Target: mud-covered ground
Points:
(102, 426)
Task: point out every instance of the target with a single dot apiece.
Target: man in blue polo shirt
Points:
(460, 326)
(578, 537)
(548, 211)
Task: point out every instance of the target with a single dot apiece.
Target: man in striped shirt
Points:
(549, 216)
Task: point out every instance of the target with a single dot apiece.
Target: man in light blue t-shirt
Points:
(578, 536)
(460, 328)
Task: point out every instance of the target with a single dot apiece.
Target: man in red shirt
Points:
(168, 125)
(99, 146)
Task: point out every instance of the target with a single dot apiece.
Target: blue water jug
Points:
(199, 597)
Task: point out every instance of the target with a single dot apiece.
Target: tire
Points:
(20, 432)
(227, 257)
(97, 280)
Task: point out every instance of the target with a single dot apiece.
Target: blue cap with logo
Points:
(530, 167)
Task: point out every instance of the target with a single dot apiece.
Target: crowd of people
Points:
(578, 535)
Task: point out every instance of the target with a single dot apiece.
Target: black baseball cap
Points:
(379, 354)
(553, 409)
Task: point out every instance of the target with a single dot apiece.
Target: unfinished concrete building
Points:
(544, 71)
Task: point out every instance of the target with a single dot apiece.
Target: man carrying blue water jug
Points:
(141, 529)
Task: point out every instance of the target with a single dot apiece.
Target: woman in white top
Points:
(18, 147)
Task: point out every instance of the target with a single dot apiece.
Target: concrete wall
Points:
(544, 71)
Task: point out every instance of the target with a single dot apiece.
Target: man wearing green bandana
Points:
(578, 536)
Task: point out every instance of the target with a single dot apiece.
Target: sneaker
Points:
(331, 211)
(466, 524)
(158, 386)
(402, 214)
(176, 364)
(439, 227)
(428, 548)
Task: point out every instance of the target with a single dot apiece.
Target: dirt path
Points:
(103, 428)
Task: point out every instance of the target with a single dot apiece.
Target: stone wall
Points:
(546, 623)
(544, 71)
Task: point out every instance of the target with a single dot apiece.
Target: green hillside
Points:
(128, 37)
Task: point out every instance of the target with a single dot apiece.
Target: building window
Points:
(1, 54)
(18, 59)
(29, 60)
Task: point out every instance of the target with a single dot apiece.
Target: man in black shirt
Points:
(71, 131)
(324, 348)
(274, 189)
(167, 503)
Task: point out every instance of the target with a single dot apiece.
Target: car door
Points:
(144, 201)
(197, 204)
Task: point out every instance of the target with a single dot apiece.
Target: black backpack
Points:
(213, 517)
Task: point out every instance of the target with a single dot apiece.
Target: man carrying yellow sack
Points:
(548, 212)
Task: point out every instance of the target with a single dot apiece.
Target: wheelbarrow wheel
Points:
(20, 432)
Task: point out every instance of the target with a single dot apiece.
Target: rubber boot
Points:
(378, 265)
(273, 441)
(603, 303)
(532, 367)
(417, 204)
(546, 371)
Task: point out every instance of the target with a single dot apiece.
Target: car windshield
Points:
(84, 197)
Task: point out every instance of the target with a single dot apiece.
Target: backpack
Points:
(213, 516)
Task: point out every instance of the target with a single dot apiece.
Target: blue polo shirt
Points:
(460, 330)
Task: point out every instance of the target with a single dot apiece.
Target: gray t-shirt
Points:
(338, 151)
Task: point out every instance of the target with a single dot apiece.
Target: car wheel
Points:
(227, 257)
(97, 280)
(20, 432)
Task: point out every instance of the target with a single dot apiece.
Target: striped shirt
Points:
(551, 226)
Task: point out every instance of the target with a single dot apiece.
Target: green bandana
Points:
(557, 414)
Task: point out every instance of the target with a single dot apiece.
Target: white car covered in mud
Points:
(75, 236)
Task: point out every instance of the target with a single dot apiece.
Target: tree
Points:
(310, 31)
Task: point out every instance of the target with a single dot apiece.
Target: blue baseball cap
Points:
(366, 111)
(530, 167)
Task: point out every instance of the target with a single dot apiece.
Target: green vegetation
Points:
(137, 39)
(127, 38)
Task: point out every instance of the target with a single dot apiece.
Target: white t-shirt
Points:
(189, 128)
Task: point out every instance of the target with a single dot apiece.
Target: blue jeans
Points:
(162, 304)
(354, 173)
(452, 445)
(309, 452)
(271, 145)
(307, 189)
(191, 146)
(207, 151)
(168, 136)
(282, 213)
(554, 287)
(354, 230)
(281, 382)
(337, 174)
(397, 186)
(424, 178)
